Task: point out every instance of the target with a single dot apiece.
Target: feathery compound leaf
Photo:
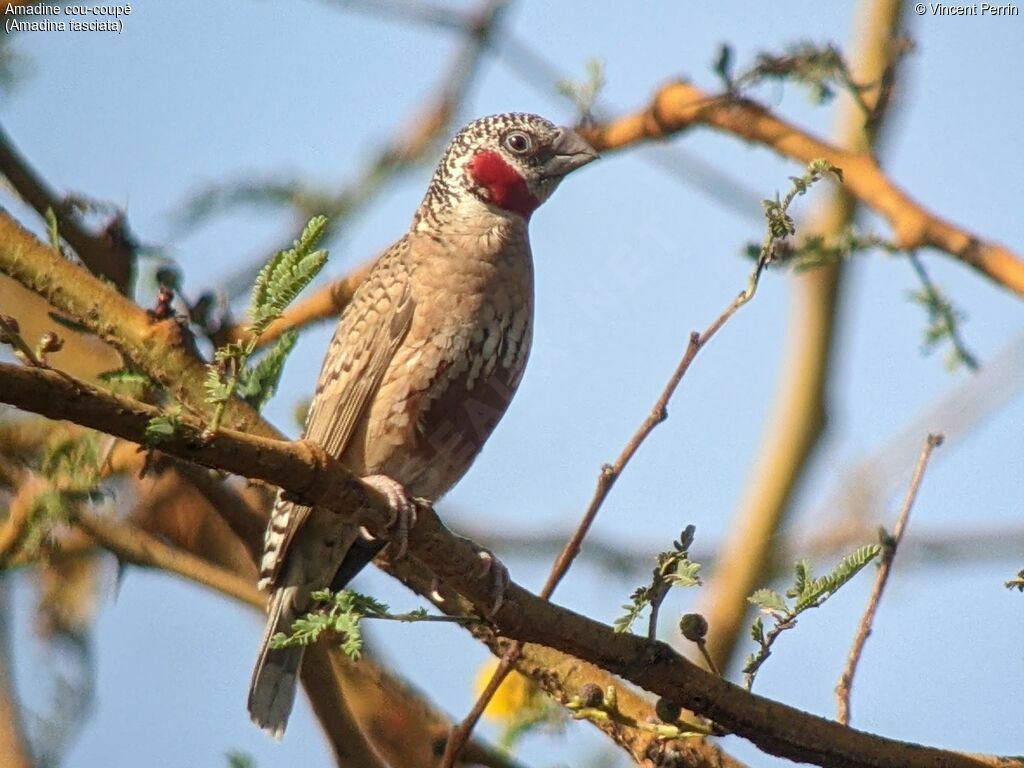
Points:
(768, 600)
(807, 592)
(820, 589)
(285, 275)
(338, 613)
(757, 630)
(802, 575)
(632, 612)
(257, 383)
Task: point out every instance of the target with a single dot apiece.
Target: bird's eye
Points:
(518, 142)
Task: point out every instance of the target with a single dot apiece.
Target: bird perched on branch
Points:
(424, 361)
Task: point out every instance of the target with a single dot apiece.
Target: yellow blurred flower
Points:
(515, 693)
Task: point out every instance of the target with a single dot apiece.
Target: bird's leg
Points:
(403, 510)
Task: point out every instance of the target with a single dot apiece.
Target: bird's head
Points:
(510, 162)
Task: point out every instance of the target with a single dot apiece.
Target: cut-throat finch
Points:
(423, 363)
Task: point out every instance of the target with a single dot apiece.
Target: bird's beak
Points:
(570, 152)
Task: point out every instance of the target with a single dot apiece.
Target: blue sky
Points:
(629, 261)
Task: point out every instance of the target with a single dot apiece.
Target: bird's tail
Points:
(272, 690)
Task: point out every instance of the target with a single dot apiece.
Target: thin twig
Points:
(944, 316)
(605, 480)
(9, 334)
(702, 646)
(796, 418)
(659, 412)
(889, 545)
(460, 733)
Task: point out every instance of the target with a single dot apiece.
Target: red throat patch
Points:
(505, 187)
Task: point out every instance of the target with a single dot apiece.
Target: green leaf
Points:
(257, 383)
(757, 630)
(238, 759)
(52, 230)
(339, 613)
(818, 590)
(285, 275)
(126, 376)
(768, 600)
(723, 64)
(802, 570)
(685, 574)
(163, 427)
(625, 622)
(129, 381)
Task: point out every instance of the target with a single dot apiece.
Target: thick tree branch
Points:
(679, 106)
(562, 676)
(157, 347)
(314, 478)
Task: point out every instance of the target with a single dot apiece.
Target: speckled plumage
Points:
(423, 363)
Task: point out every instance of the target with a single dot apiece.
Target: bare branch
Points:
(679, 106)
(889, 545)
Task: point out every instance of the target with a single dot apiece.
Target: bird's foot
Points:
(492, 569)
(403, 510)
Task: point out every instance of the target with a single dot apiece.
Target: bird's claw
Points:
(403, 510)
(493, 569)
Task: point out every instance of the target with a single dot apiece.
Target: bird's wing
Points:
(368, 334)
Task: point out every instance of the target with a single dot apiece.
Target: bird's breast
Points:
(455, 374)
